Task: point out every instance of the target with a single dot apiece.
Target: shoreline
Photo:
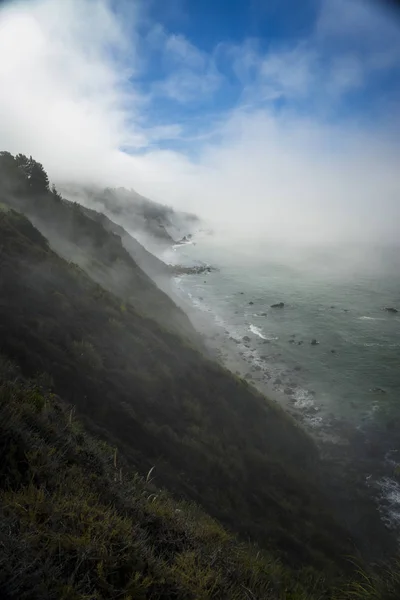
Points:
(344, 449)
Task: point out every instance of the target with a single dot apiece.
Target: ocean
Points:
(332, 351)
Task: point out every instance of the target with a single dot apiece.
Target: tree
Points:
(38, 180)
(12, 178)
(34, 173)
(57, 196)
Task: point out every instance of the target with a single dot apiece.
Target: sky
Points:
(276, 120)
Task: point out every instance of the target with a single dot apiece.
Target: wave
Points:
(257, 331)
(390, 490)
(372, 344)
(180, 244)
(303, 399)
(371, 319)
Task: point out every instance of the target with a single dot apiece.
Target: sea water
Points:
(335, 296)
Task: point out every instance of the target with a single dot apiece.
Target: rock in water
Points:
(314, 342)
(251, 303)
(391, 309)
(278, 305)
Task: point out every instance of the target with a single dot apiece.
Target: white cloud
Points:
(191, 75)
(180, 49)
(186, 85)
(65, 98)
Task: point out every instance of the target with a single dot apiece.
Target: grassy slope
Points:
(212, 438)
(76, 523)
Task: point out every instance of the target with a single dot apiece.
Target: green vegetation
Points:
(77, 521)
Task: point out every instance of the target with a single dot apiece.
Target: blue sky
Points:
(280, 118)
(336, 60)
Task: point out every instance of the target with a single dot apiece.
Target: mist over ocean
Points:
(333, 295)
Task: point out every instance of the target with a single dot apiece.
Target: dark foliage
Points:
(77, 523)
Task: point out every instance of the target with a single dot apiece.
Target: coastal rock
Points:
(391, 309)
(292, 342)
(195, 270)
(246, 338)
(264, 314)
(278, 305)
(251, 303)
(278, 381)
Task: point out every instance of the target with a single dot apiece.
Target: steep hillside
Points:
(211, 437)
(159, 224)
(92, 242)
(150, 264)
(77, 522)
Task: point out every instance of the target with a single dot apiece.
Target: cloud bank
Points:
(293, 142)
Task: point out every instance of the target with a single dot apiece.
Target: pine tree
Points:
(57, 196)
(38, 181)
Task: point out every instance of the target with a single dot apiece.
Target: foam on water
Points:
(371, 319)
(390, 490)
(303, 399)
(257, 331)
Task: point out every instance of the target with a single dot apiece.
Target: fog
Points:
(287, 161)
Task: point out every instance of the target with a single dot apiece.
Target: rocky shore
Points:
(194, 270)
(354, 456)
